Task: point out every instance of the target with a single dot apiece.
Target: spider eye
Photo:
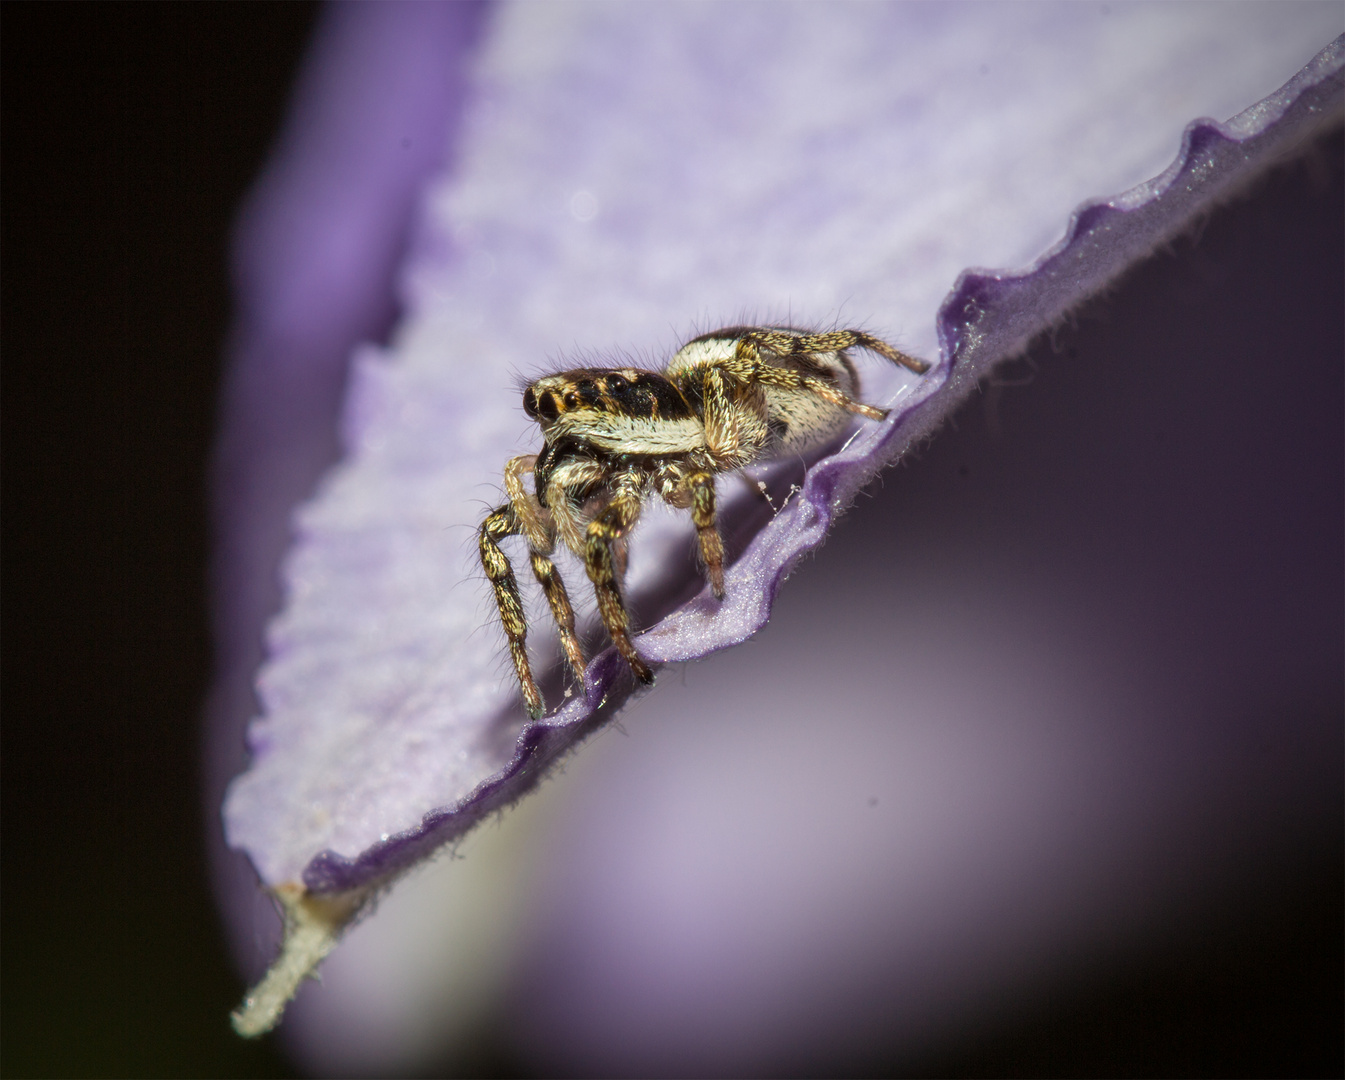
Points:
(546, 406)
(616, 384)
(530, 402)
(572, 400)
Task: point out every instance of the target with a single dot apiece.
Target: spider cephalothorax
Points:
(617, 436)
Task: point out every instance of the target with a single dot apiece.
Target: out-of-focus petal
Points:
(317, 251)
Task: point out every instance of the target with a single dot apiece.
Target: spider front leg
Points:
(604, 533)
(539, 527)
(500, 523)
(532, 518)
(544, 570)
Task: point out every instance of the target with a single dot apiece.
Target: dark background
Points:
(130, 134)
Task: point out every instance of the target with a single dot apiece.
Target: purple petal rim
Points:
(988, 317)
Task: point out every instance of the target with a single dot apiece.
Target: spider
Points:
(614, 437)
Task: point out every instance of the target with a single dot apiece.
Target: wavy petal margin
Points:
(274, 811)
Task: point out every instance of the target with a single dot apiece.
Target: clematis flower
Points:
(933, 778)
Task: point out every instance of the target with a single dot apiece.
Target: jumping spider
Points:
(616, 436)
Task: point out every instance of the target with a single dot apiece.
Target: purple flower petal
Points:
(825, 181)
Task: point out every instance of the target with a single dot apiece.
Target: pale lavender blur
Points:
(316, 250)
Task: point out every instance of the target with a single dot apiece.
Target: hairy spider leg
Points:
(834, 341)
(748, 365)
(733, 415)
(499, 524)
(702, 488)
(539, 527)
(534, 519)
(544, 570)
(604, 531)
(563, 505)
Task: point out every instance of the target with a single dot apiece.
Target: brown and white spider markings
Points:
(617, 436)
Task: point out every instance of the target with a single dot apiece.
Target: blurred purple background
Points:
(1082, 662)
(1147, 589)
